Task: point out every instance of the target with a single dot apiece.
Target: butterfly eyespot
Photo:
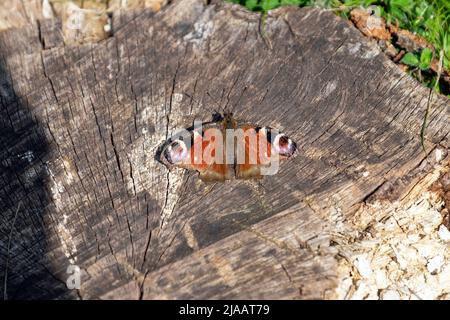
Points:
(175, 152)
(284, 146)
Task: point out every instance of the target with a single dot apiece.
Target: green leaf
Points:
(251, 4)
(425, 58)
(378, 11)
(267, 5)
(410, 59)
(291, 2)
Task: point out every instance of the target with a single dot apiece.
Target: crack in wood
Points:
(354, 120)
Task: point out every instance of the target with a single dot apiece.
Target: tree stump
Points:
(80, 126)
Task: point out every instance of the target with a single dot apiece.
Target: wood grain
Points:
(80, 127)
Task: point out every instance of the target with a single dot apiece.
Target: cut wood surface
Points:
(80, 126)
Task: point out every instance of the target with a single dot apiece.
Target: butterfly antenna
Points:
(190, 97)
(239, 100)
(215, 101)
(193, 99)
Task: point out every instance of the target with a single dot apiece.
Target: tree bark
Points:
(80, 126)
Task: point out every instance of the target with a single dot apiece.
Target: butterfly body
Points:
(226, 149)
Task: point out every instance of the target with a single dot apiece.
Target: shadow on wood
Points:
(24, 194)
(100, 112)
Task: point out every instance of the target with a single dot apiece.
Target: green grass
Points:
(427, 18)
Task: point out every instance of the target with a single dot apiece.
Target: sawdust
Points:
(398, 250)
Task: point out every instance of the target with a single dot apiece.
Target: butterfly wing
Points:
(257, 148)
(208, 151)
(200, 151)
(248, 163)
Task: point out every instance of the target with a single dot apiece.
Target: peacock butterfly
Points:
(226, 148)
